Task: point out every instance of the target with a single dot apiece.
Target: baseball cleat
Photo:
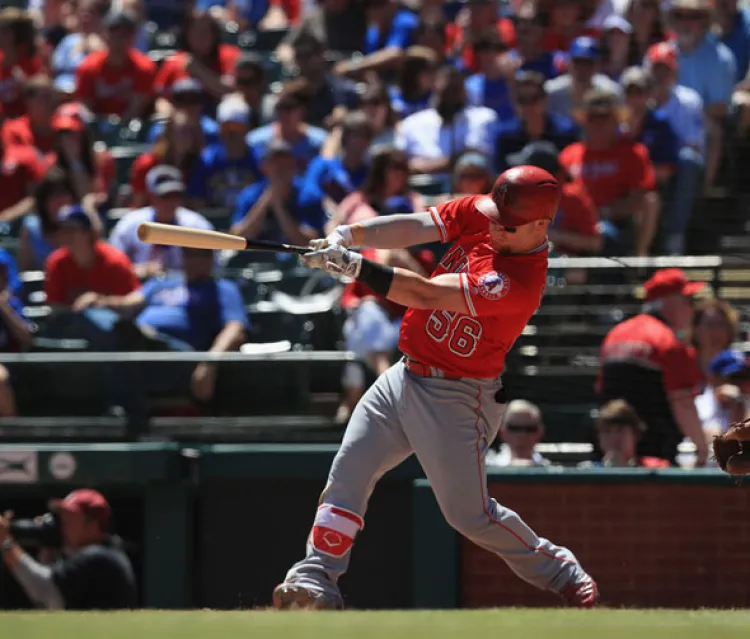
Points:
(581, 594)
(291, 596)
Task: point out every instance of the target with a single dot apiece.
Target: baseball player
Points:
(444, 400)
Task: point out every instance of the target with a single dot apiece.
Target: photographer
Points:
(93, 573)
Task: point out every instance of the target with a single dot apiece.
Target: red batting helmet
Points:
(521, 195)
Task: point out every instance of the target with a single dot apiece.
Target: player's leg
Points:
(374, 443)
(450, 425)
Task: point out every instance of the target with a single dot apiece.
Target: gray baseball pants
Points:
(448, 425)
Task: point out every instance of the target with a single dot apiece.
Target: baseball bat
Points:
(170, 235)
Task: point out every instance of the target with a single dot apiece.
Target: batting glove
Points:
(335, 260)
(340, 236)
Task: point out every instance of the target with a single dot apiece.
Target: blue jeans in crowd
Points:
(688, 183)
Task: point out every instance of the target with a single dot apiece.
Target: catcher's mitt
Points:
(732, 449)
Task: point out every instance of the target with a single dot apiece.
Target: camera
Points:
(42, 531)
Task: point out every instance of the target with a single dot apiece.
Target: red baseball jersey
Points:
(107, 89)
(502, 293)
(610, 174)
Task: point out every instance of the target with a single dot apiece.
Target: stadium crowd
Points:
(331, 113)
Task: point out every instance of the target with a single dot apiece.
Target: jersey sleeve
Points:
(641, 173)
(681, 374)
(457, 217)
(491, 293)
(85, 82)
(54, 286)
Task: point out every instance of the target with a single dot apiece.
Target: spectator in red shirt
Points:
(92, 173)
(645, 361)
(20, 170)
(34, 128)
(618, 429)
(18, 59)
(616, 172)
(575, 230)
(476, 17)
(202, 56)
(179, 145)
(118, 81)
(85, 267)
(567, 21)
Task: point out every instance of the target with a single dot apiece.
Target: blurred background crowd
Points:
(280, 119)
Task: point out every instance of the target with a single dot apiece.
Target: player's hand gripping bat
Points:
(171, 235)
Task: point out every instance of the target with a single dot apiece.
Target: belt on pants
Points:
(426, 371)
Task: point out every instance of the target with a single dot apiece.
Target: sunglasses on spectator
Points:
(248, 81)
(522, 428)
(687, 16)
(375, 102)
(473, 176)
(398, 166)
(527, 100)
(286, 106)
(649, 5)
(599, 116)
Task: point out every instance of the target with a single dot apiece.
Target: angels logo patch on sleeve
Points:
(494, 286)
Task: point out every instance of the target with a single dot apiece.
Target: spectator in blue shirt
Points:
(248, 13)
(733, 23)
(273, 208)
(187, 96)
(390, 31)
(194, 311)
(15, 330)
(534, 121)
(328, 96)
(74, 47)
(684, 109)
(489, 87)
(649, 127)
(305, 141)
(227, 167)
(250, 83)
(335, 178)
(616, 46)
(529, 53)
(708, 67)
(416, 82)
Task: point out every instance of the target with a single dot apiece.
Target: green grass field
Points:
(500, 624)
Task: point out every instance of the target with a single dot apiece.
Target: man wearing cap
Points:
(726, 398)
(566, 92)
(534, 122)
(575, 229)
(732, 25)
(227, 167)
(645, 361)
(683, 107)
(84, 266)
(164, 184)
(616, 38)
(94, 572)
(187, 96)
(707, 66)
(274, 208)
(119, 80)
(648, 126)
(617, 173)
